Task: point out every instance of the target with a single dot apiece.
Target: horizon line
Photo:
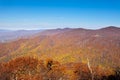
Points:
(58, 28)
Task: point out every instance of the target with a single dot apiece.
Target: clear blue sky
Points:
(40, 14)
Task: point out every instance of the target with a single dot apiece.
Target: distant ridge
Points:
(110, 28)
(10, 35)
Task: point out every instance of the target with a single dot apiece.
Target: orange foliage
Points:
(29, 68)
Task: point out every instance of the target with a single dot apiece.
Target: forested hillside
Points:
(63, 54)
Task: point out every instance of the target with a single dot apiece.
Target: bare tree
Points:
(91, 71)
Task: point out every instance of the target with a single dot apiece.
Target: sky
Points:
(50, 14)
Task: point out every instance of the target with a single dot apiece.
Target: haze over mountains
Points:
(9, 35)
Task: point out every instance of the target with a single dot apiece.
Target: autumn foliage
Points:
(29, 68)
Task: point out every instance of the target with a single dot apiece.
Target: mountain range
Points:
(10, 35)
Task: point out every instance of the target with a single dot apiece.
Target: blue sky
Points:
(47, 14)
